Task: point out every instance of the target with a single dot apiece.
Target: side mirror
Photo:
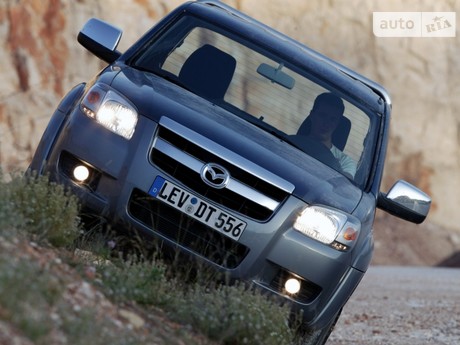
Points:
(101, 39)
(406, 202)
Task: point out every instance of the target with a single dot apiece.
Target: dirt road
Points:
(402, 306)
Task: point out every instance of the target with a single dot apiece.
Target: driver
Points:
(325, 116)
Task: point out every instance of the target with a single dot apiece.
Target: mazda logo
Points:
(215, 175)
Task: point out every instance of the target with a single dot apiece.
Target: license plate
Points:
(197, 208)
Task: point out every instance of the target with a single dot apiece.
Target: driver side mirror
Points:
(405, 201)
(101, 39)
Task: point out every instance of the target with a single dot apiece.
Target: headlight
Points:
(328, 226)
(110, 110)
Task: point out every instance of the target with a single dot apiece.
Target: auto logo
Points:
(215, 175)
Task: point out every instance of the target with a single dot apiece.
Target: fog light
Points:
(292, 286)
(80, 173)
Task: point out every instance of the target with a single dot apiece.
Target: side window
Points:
(359, 128)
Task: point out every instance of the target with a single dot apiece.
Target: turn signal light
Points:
(350, 234)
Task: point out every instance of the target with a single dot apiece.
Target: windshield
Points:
(268, 91)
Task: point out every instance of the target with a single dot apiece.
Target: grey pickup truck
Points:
(237, 146)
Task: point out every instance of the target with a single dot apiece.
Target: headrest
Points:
(208, 72)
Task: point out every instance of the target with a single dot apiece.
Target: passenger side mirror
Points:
(405, 201)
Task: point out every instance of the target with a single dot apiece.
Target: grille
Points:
(186, 231)
(243, 203)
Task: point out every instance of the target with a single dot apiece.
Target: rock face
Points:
(41, 60)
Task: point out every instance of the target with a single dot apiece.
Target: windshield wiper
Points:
(173, 79)
(270, 129)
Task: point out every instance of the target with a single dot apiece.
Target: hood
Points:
(314, 182)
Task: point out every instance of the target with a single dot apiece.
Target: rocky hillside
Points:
(41, 60)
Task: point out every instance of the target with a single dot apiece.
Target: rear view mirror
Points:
(276, 75)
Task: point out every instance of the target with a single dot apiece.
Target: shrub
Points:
(227, 314)
(234, 315)
(45, 211)
(141, 282)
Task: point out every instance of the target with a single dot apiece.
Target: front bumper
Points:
(266, 254)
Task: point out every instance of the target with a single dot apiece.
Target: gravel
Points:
(402, 306)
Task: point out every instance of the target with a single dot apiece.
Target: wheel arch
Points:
(53, 129)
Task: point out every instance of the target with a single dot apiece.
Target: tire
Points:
(307, 336)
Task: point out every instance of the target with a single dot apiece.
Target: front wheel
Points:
(307, 336)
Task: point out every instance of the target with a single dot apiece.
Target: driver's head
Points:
(325, 115)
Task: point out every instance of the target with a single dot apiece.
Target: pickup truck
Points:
(201, 136)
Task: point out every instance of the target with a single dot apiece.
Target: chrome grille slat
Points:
(196, 165)
(180, 156)
(251, 190)
(230, 156)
